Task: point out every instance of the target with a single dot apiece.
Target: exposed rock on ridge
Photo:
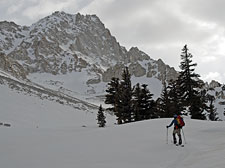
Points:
(12, 67)
(62, 43)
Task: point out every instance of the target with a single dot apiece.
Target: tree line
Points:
(184, 95)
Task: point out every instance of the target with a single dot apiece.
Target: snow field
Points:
(133, 145)
(47, 134)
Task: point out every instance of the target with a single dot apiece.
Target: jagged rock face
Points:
(10, 35)
(136, 69)
(62, 43)
(140, 64)
(134, 55)
(95, 40)
(214, 84)
(157, 69)
(12, 67)
(115, 71)
(165, 72)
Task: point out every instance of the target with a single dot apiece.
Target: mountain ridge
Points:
(63, 42)
(77, 55)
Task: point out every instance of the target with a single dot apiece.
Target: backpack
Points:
(180, 121)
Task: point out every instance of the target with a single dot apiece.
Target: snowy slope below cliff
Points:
(219, 94)
(27, 110)
(74, 84)
(76, 54)
(48, 134)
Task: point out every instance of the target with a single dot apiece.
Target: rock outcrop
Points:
(63, 43)
(12, 67)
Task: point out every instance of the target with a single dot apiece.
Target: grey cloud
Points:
(162, 28)
(158, 27)
(26, 12)
(152, 23)
(211, 10)
(169, 29)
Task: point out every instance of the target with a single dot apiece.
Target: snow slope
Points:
(74, 84)
(47, 134)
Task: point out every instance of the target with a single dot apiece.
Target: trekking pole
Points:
(183, 136)
(167, 136)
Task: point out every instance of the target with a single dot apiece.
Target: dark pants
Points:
(177, 131)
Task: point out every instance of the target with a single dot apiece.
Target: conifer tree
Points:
(196, 108)
(164, 103)
(175, 100)
(125, 97)
(101, 117)
(159, 110)
(187, 78)
(170, 102)
(112, 93)
(147, 105)
(189, 85)
(143, 104)
(137, 102)
(211, 109)
(113, 97)
(120, 96)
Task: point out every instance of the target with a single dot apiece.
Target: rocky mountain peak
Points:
(63, 43)
(135, 55)
(10, 26)
(10, 35)
(60, 13)
(213, 84)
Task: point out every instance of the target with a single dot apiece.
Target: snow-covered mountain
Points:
(51, 75)
(76, 55)
(65, 44)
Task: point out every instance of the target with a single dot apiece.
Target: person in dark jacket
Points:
(177, 130)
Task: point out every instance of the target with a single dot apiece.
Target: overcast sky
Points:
(160, 28)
